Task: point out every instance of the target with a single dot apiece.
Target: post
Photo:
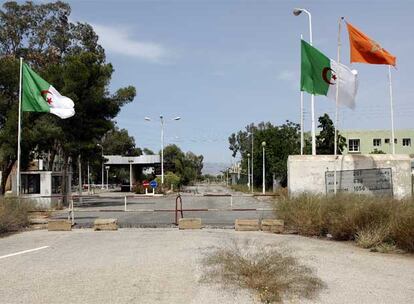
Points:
(252, 161)
(130, 175)
(125, 202)
(337, 102)
(392, 110)
(89, 179)
(301, 117)
(19, 130)
(248, 170)
(107, 177)
(264, 168)
(80, 178)
(162, 150)
(102, 186)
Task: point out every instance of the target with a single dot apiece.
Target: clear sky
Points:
(221, 65)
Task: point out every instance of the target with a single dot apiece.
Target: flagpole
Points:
(337, 101)
(18, 181)
(392, 110)
(301, 116)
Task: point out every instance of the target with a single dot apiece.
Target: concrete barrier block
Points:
(273, 226)
(189, 223)
(246, 225)
(105, 224)
(59, 225)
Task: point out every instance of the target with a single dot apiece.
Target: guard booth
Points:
(42, 187)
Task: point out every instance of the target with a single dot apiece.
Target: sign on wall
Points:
(374, 181)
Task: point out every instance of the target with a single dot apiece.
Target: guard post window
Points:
(30, 184)
(406, 142)
(353, 145)
(376, 142)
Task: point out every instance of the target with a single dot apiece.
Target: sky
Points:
(221, 65)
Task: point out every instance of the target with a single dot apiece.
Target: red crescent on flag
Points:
(325, 76)
(45, 92)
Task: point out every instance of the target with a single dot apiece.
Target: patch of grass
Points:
(372, 236)
(370, 220)
(271, 274)
(14, 215)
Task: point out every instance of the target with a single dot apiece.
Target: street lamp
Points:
(107, 177)
(248, 170)
(264, 182)
(162, 143)
(99, 145)
(130, 161)
(297, 12)
(252, 160)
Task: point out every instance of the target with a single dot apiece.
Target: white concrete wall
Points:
(306, 173)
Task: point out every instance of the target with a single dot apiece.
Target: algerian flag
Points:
(39, 96)
(319, 76)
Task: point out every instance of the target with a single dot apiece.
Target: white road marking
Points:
(22, 252)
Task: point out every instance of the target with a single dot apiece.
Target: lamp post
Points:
(252, 162)
(248, 170)
(264, 173)
(297, 12)
(130, 173)
(162, 143)
(107, 177)
(102, 185)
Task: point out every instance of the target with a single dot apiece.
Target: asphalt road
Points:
(216, 205)
(156, 266)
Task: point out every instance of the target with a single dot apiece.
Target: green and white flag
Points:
(39, 96)
(319, 76)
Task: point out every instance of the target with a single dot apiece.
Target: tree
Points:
(326, 138)
(281, 141)
(118, 142)
(148, 151)
(187, 166)
(68, 56)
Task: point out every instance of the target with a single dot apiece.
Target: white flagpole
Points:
(392, 110)
(337, 101)
(19, 131)
(301, 116)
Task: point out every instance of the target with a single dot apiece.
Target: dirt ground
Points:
(164, 266)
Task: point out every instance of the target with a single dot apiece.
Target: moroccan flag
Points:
(39, 96)
(319, 76)
(366, 50)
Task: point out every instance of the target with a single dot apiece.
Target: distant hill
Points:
(214, 168)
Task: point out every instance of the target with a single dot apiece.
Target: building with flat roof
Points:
(367, 141)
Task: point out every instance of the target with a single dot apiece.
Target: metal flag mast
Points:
(392, 110)
(301, 116)
(337, 101)
(19, 131)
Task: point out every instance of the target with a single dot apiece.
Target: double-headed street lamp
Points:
(264, 173)
(99, 145)
(297, 12)
(162, 143)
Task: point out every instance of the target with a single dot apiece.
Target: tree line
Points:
(281, 141)
(66, 54)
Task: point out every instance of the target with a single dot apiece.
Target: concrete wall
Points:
(306, 173)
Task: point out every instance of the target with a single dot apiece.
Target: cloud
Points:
(119, 41)
(287, 75)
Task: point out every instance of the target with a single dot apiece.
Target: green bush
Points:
(370, 220)
(14, 215)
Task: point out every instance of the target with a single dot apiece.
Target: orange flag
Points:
(367, 50)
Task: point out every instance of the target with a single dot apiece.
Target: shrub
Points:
(402, 226)
(372, 236)
(272, 275)
(14, 215)
(370, 220)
